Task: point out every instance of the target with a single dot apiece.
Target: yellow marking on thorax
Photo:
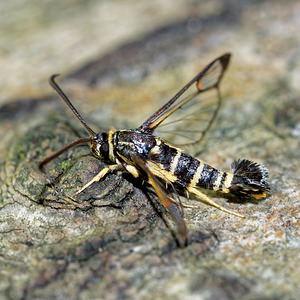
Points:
(218, 181)
(197, 175)
(155, 150)
(158, 141)
(111, 144)
(227, 183)
(175, 162)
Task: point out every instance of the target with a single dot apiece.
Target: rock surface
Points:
(111, 241)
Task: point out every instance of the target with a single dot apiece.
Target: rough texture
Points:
(111, 241)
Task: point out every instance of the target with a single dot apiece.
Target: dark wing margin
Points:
(209, 78)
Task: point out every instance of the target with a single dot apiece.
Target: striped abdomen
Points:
(185, 170)
(248, 178)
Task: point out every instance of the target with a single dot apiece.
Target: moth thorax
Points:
(100, 146)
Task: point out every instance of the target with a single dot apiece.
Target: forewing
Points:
(165, 200)
(185, 119)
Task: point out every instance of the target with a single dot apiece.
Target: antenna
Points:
(69, 104)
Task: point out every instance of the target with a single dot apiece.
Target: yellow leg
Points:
(206, 200)
(98, 177)
(194, 206)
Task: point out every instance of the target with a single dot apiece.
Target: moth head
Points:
(100, 146)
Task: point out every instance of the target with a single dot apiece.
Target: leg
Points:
(206, 200)
(100, 175)
(194, 206)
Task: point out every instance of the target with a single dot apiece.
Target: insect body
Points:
(167, 168)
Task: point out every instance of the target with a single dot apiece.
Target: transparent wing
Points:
(185, 118)
(188, 125)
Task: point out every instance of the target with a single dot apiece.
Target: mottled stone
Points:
(111, 241)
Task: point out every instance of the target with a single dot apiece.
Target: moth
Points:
(167, 167)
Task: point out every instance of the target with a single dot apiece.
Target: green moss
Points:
(65, 164)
